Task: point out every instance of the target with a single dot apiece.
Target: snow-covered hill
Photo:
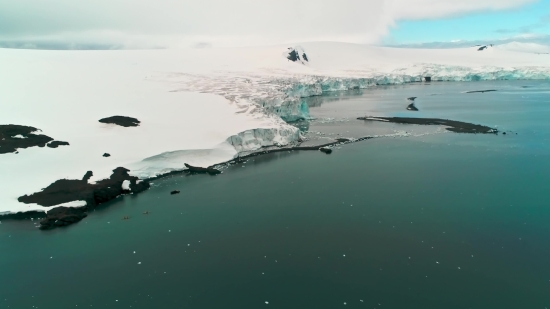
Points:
(196, 106)
(533, 48)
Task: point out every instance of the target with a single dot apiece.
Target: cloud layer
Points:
(179, 23)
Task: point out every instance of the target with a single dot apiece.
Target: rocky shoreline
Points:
(120, 182)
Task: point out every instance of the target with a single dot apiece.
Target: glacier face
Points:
(283, 95)
(256, 139)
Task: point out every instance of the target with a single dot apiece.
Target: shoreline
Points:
(63, 216)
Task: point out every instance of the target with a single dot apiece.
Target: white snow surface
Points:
(525, 47)
(196, 106)
(126, 185)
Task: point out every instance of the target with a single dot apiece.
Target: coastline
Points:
(262, 94)
(63, 216)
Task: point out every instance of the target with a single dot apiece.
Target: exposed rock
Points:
(412, 107)
(451, 125)
(482, 48)
(106, 155)
(480, 91)
(294, 53)
(69, 190)
(122, 121)
(56, 144)
(62, 216)
(201, 170)
(13, 137)
(175, 192)
(428, 78)
(326, 150)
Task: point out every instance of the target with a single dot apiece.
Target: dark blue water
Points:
(435, 221)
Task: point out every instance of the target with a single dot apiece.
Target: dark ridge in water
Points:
(451, 125)
(480, 91)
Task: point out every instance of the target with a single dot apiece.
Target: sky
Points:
(526, 23)
(112, 24)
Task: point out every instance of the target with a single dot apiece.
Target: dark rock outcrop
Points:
(326, 150)
(62, 216)
(13, 137)
(122, 121)
(451, 125)
(175, 192)
(481, 91)
(428, 78)
(294, 55)
(482, 48)
(68, 190)
(202, 170)
(412, 107)
(106, 155)
(56, 144)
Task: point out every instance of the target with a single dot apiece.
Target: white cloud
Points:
(176, 23)
(423, 9)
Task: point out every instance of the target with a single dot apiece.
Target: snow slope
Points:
(525, 47)
(196, 106)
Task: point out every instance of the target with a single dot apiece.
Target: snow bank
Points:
(525, 47)
(196, 106)
(126, 185)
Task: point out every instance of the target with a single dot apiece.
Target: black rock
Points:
(450, 125)
(304, 56)
(175, 192)
(9, 143)
(481, 91)
(293, 56)
(412, 107)
(105, 194)
(428, 78)
(56, 144)
(122, 121)
(201, 170)
(482, 48)
(139, 186)
(106, 155)
(326, 150)
(62, 216)
(68, 190)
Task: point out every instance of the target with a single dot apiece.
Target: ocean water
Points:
(431, 220)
